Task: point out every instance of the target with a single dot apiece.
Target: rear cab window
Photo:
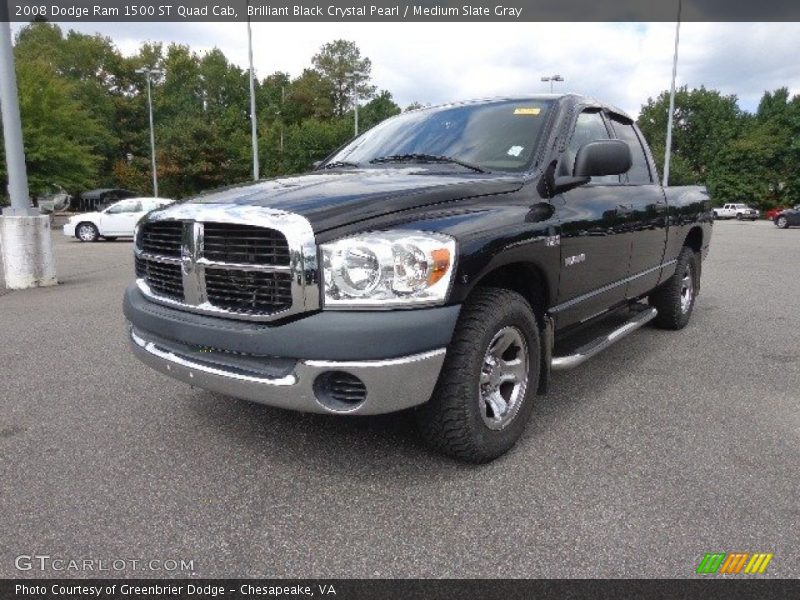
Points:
(639, 173)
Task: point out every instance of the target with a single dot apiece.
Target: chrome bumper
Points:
(391, 385)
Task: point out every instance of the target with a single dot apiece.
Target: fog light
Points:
(339, 391)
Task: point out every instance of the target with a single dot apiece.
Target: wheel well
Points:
(695, 239)
(525, 279)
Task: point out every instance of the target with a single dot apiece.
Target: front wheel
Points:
(675, 299)
(484, 396)
(87, 232)
(782, 222)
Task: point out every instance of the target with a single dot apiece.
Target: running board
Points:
(597, 345)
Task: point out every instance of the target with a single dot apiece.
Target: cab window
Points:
(589, 127)
(639, 172)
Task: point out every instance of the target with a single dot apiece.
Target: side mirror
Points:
(602, 157)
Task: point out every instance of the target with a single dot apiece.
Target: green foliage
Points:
(339, 63)
(378, 109)
(305, 142)
(85, 121)
(85, 113)
(739, 157)
(310, 96)
(63, 140)
(704, 121)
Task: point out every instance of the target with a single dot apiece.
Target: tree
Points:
(340, 64)
(760, 165)
(704, 122)
(379, 108)
(413, 106)
(62, 139)
(310, 96)
(94, 69)
(304, 143)
(271, 97)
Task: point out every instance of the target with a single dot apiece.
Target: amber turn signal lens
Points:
(441, 262)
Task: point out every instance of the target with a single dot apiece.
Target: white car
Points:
(736, 211)
(118, 220)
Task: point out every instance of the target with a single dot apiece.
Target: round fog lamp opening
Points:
(356, 270)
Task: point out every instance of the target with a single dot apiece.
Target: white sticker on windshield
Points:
(515, 150)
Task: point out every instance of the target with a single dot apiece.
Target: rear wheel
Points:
(782, 222)
(675, 299)
(484, 395)
(739, 217)
(87, 232)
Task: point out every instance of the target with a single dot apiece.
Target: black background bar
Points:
(399, 11)
(732, 588)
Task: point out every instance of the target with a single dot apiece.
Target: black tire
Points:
(89, 231)
(454, 421)
(739, 217)
(782, 222)
(670, 299)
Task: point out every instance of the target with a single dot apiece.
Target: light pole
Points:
(149, 73)
(253, 121)
(551, 79)
(27, 251)
(355, 108)
(668, 148)
(280, 112)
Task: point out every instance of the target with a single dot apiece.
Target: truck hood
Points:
(330, 199)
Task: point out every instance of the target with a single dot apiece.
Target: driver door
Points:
(120, 218)
(595, 242)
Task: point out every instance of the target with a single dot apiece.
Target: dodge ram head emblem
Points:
(187, 260)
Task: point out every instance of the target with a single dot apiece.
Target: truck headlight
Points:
(388, 269)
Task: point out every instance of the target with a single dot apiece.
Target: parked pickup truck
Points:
(735, 211)
(436, 262)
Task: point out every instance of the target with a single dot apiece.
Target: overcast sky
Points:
(621, 63)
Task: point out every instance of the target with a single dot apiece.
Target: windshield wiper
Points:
(339, 163)
(426, 158)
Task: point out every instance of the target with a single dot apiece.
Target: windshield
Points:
(499, 135)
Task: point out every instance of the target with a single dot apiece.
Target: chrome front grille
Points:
(249, 291)
(244, 244)
(235, 261)
(163, 238)
(163, 279)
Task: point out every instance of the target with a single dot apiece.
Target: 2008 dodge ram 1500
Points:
(436, 262)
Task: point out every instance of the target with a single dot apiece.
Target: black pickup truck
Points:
(445, 260)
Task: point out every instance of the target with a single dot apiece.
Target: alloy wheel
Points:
(503, 378)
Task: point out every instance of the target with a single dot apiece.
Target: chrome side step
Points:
(587, 351)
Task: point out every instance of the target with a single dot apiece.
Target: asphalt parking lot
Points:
(665, 447)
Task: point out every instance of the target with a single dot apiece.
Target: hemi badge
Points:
(574, 260)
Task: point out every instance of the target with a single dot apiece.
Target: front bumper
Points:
(397, 355)
(69, 229)
(390, 385)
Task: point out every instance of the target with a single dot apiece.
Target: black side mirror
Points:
(602, 157)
